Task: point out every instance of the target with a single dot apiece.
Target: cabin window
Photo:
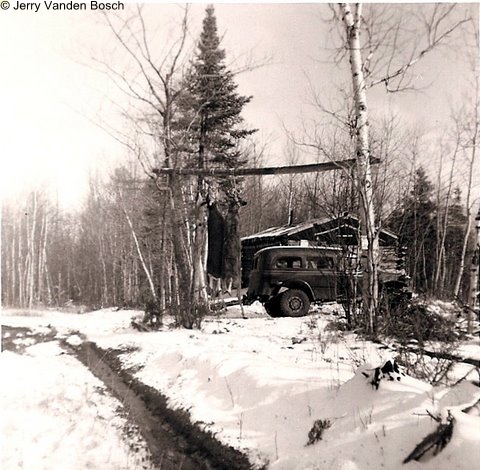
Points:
(289, 262)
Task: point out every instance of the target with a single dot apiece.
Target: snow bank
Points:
(260, 384)
(56, 415)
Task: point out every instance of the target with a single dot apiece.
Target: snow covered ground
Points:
(57, 415)
(258, 384)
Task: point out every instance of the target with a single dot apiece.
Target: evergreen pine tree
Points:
(416, 227)
(211, 107)
(210, 131)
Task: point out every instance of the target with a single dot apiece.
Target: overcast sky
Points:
(52, 96)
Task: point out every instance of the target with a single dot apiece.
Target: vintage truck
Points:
(287, 279)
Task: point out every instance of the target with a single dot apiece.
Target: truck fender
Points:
(298, 284)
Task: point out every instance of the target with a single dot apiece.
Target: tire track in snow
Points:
(174, 442)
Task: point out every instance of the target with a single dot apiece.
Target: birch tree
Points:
(26, 251)
(369, 237)
(366, 72)
(469, 121)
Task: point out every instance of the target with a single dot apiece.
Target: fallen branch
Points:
(434, 443)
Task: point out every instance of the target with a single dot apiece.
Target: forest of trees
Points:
(139, 237)
(50, 257)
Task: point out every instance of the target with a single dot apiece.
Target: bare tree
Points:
(366, 72)
(253, 214)
(143, 263)
(469, 121)
(443, 218)
(154, 88)
(369, 237)
(26, 243)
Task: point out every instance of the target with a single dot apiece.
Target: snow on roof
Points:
(299, 248)
(289, 230)
(286, 230)
(382, 231)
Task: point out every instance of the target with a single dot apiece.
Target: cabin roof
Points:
(319, 227)
(286, 230)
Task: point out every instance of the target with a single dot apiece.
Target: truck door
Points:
(322, 277)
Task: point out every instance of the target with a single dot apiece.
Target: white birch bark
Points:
(140, 256)
(31, 253)
(442, 224)
(369, 240)
(472, 145)
(199, 247)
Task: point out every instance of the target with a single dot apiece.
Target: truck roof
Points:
(298, 249)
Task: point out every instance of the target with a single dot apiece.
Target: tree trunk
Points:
(140, 256)
(468, 204)
(183, 265)
(41, 258)
(442, 228)
(473, 294)
(14, 261)
(31, 254)
(473, 301)
(104, 295)
(199, 247)
(21, 267)
(369, 240)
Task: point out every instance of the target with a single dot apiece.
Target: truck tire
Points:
(272, 307)
(294, 303)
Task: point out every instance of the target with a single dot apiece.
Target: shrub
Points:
(316, 433)
(414, 326)
(413, 321)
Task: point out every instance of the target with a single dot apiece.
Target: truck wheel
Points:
(272, 307)
(294, 303)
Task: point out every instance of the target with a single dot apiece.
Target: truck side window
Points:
(289, 262)
(320, 262)
(296, 263)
